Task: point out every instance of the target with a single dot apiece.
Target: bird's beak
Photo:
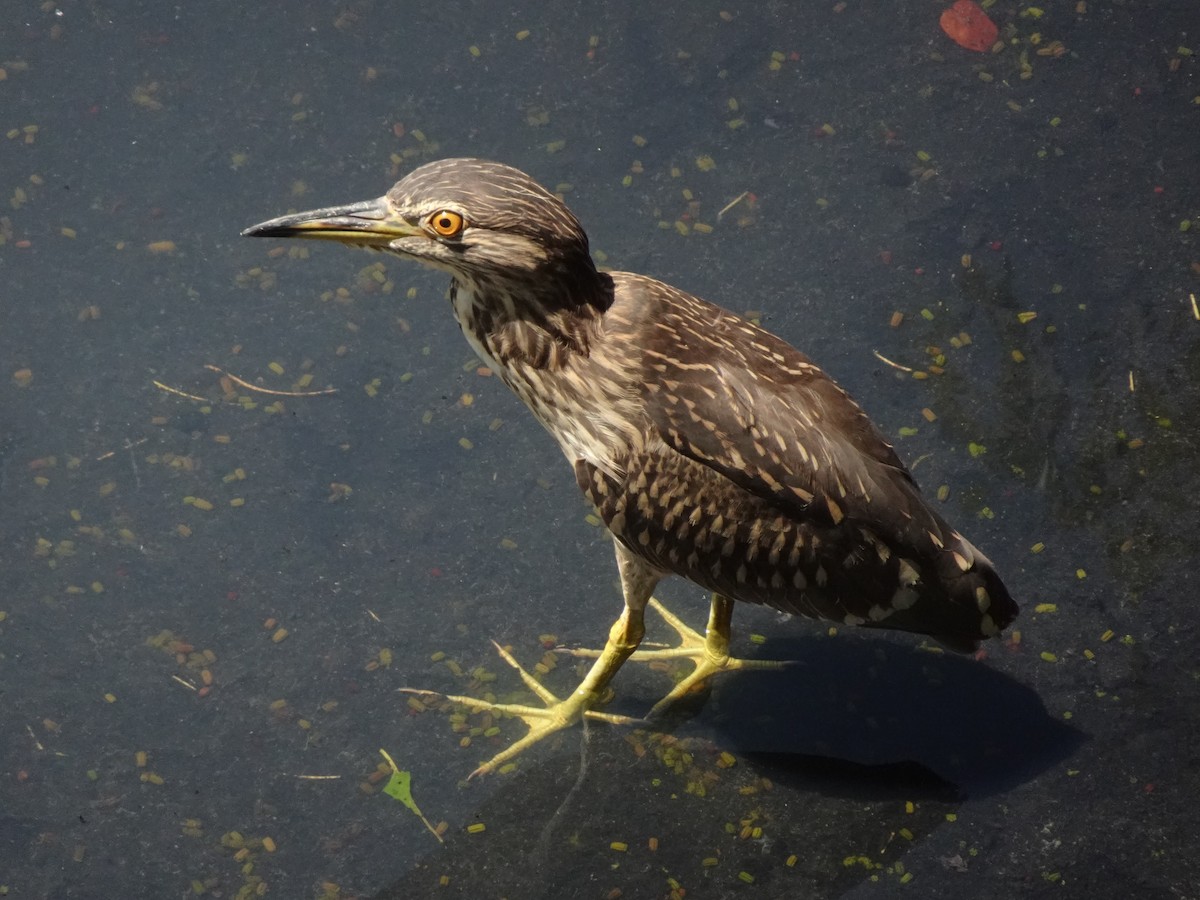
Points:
(371, 223)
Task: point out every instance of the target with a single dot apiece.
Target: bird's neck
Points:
(551, 356)
(512, 329)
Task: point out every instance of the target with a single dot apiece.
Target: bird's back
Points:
(753, 474)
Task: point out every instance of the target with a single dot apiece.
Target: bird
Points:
(710, 448)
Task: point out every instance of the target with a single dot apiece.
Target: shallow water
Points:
(208, 601)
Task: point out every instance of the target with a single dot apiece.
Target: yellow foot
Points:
(709, 653)
(542, 721)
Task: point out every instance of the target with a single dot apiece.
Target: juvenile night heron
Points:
(711, 448)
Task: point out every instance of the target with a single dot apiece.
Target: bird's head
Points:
(480, 221)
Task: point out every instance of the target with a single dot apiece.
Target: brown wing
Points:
(750, 407)
(745, 403)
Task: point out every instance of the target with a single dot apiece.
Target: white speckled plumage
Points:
(711, 448)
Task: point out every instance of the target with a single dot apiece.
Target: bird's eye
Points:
(447, 223)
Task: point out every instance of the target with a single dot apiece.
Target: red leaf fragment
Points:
(969, 26)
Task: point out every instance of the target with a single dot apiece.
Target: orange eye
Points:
(447, 223)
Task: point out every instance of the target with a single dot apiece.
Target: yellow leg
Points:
(710, 651)
(637, 581)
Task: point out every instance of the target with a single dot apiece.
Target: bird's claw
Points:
(542, 722)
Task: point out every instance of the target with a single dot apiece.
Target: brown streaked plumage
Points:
(711, 448)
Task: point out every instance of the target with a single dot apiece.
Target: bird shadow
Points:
(867, 717)
(856, 724)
